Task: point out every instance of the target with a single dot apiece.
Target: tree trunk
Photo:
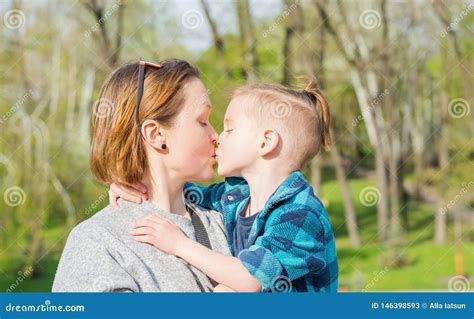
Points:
(349, 210)
(248, 39)
(217, 40)
(440, 217)
(294, 27)
(394, 133)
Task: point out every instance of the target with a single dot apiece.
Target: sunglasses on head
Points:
(141, 81)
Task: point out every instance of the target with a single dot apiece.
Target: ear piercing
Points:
(163, 146)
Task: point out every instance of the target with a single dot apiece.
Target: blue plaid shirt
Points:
(292, 242)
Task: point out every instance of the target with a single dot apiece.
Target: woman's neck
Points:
(165, 191)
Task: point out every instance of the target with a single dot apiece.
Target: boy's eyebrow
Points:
(228, 120)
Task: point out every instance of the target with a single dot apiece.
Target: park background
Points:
(398, 182)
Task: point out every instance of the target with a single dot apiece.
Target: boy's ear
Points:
(269, 142)
(153, 133)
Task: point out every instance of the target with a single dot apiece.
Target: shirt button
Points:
(230, 197)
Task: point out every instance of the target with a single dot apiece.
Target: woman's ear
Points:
(269, 142)
(154, 134)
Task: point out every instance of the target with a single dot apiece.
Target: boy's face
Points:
(238, 144)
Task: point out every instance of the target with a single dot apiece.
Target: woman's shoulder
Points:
(105, 220)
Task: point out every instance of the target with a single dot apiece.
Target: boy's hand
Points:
(135, 194)
(159, 232)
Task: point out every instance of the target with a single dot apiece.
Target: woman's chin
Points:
(208, 173)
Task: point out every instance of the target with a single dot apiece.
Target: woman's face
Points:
(191, 140)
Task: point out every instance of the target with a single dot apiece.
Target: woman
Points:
(156, 131)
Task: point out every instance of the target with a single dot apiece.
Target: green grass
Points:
(429, 267)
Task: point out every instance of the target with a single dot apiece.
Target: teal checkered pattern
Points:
(292, 242)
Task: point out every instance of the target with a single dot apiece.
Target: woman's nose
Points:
(214, 136)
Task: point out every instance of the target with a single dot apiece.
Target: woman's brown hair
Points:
(117, 147)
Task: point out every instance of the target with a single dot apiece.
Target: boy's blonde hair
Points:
(296, 113)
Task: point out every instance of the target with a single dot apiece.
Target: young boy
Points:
(278, 231)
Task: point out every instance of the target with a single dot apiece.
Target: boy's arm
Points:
(292, 246)
(166, 236)
(226, 270)
(207, 197)
(222, 288)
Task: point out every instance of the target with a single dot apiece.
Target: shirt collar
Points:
(290, 186)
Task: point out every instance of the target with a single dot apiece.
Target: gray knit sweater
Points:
(100, 255)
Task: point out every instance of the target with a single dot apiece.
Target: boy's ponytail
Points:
(313, 92)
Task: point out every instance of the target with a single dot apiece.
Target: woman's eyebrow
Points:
(206, 108)
(207, 104)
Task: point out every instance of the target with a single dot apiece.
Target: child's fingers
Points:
(150, 220)
(222, 288)
(113, 199)
(156, 219)
(141, 187)
(142, 231)
(135, 190)
(147, 222)
(127, 193)
(144, 239)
